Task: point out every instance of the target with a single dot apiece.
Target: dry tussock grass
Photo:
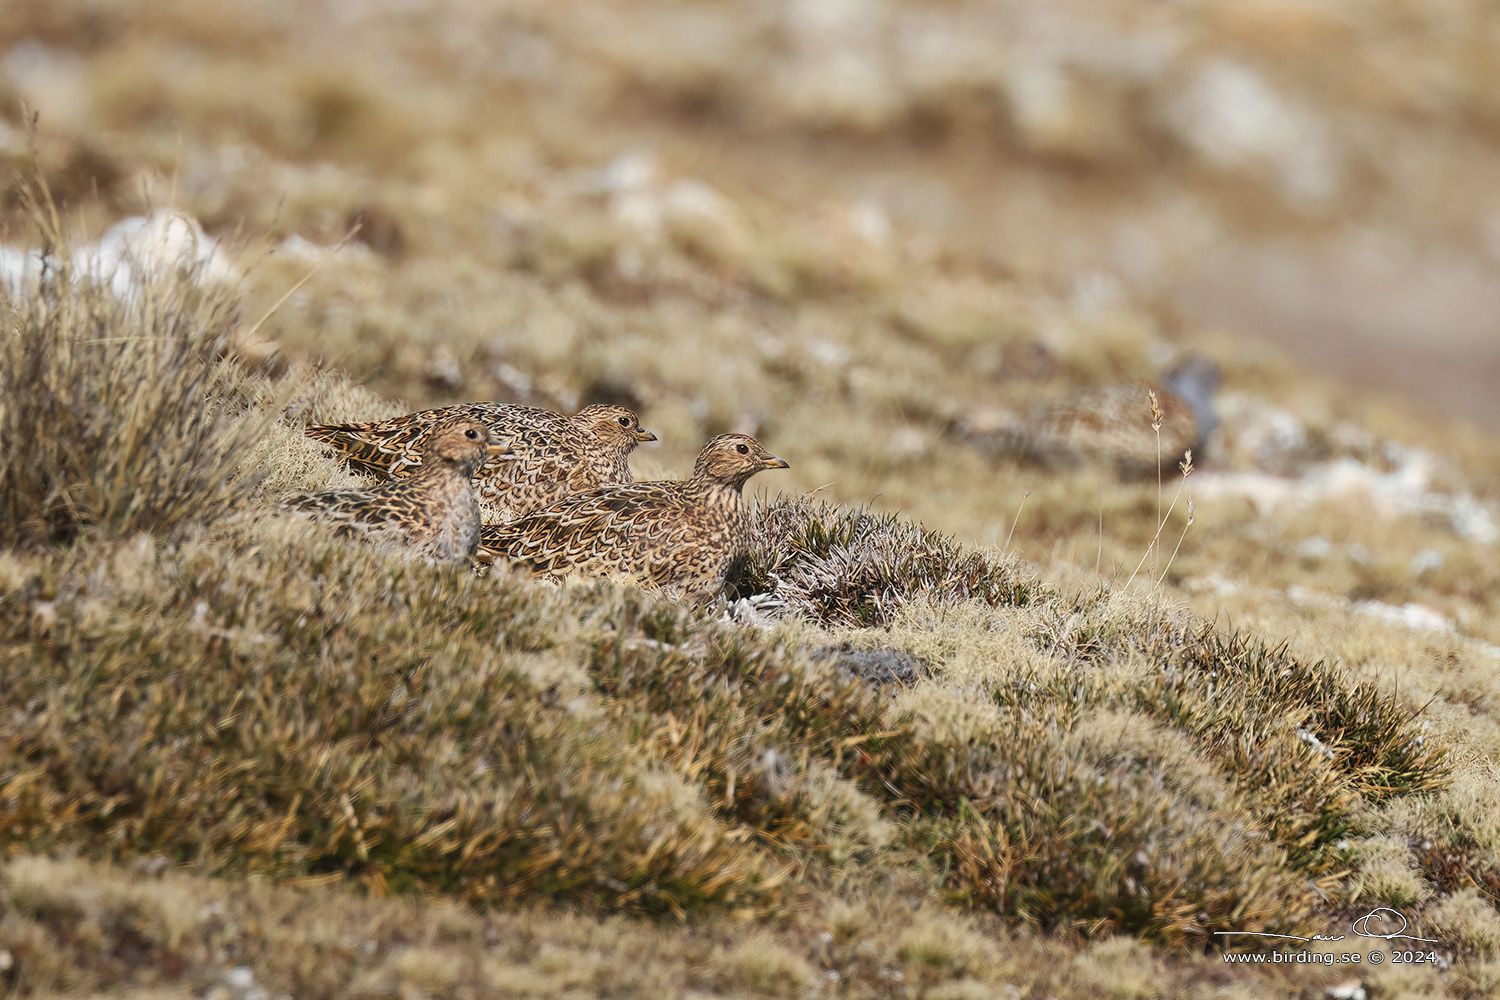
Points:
(857, 567)
(115, 411)
(332, 728)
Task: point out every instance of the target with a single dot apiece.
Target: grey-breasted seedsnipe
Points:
(551, 455)
(434, 509)
(683, 536)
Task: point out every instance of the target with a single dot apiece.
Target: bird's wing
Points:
(389, 447)
(600, 530)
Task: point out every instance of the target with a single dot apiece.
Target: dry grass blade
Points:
(1161, 522)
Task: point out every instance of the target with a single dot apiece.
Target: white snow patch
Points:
(129, 254)
(1405, 489)
(1418, 617)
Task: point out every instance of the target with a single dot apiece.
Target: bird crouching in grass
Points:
(1124, 427)
(552, 455)
(433, 509)
(683, 536)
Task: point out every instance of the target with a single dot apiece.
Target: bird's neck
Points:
(716, 492)
(439, 473)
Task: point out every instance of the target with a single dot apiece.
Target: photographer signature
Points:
(1379, 916)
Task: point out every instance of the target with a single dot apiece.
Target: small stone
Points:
(876, 666)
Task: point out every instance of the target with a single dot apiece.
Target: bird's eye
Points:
(471, 434)
(624, 421)
(743, 449)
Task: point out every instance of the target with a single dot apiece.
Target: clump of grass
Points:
(1454, 863)
(764, 732)
(1305, 741)
(1010, 789)
(1106, 833)
(854, 566)
(297, 708)
(1464, 923)
(109, 407)
(1062, 834)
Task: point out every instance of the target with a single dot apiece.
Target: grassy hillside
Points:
(962, 731)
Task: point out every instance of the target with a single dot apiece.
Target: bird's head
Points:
(731, 459)
(463, 442)
(614, 424)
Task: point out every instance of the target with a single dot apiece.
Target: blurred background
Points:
(1321, 173)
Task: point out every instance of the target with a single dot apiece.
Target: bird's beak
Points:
(772, 462)
(500, 449)
(641, 434)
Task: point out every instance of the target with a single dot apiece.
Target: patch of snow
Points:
(1314, 549)
(1318, 745)
(1406, 489)
(641, 199)
(17, 267)
(302, 249)
(626, 172)
(909, 442)
(870, 223)
(1426, 561)
(827, 353)
(155, 245)
(1418, 617)
(1210, 583)
(129, 254)
(694, 199)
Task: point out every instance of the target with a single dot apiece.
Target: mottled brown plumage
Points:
(434, 509)
(1107, 426)
(683, 536)
(551, 455)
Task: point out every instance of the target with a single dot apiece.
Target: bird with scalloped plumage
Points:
(434, 510)
(684, 536)
(551, 455)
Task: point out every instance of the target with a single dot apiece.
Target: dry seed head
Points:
(1190, 510)
(1186, 465)
(1156, 414)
